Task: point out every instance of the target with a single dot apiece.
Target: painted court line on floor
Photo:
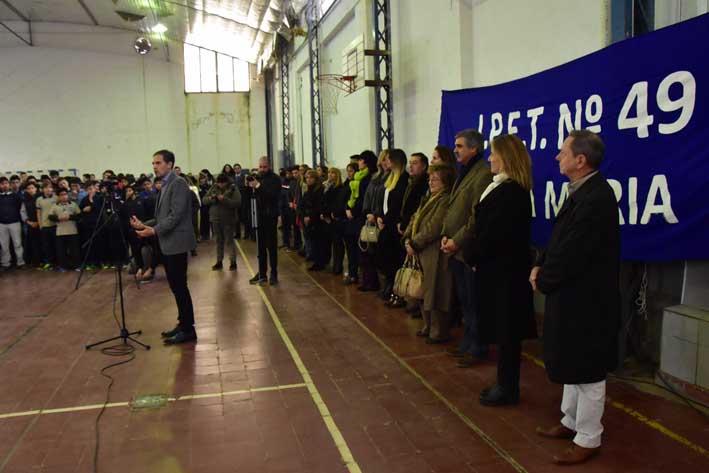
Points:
(335, 433)
(485, 437)
(639, 417)
(186, 397)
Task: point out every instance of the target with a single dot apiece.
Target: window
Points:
(325, 6)
(209, 71)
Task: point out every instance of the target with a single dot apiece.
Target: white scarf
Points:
(497, 179)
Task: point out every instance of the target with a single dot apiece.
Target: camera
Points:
(109, 184)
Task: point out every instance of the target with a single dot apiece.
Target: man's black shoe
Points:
(181, 337)
(273, 281)
(257, 280)
(193, 252)
(497, 396)
(217, 266)
(316, 267)
(170, 333)
(232, 266)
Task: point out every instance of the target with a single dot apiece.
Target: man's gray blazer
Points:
(173, 217)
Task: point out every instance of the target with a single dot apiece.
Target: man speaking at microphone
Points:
(173, 227)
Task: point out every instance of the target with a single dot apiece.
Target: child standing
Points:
(65, 214)
(48, 228)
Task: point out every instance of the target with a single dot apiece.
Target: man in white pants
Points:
(578, 273)
(11, 218)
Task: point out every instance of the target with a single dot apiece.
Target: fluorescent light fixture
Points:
(159, 28)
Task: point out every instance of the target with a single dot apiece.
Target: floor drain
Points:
(149, 401)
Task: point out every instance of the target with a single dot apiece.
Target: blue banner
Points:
(644, 96)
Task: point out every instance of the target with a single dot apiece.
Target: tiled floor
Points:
(399, 407)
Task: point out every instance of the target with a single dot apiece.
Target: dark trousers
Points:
(136, 244)
(176, 271)
(67, 251)
(464, 283)
(370, 279)
(317, 235)
(116, 251)
(338, 246)
(508, 362)
(204, 223)
(287, 223)
(297, 236)
(49, 234)
(268, 246)
(33, 248)
(326, 238)
(97, 251)
(352, 256)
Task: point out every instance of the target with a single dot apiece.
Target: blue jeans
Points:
(464, 282)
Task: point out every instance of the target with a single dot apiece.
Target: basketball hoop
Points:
(331, 87)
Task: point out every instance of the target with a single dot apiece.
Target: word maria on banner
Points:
(657, 202)
(587, 113)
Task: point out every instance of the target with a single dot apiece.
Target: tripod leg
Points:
(89, 347)
(147, 347)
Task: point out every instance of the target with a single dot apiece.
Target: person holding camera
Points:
(266, 188)
(172, 226)
(224, 200)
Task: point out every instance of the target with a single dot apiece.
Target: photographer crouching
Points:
(266, 189)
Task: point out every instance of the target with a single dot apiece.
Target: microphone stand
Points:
(125, 334)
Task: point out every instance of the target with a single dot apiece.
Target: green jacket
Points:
(459, 223)
(226, 211)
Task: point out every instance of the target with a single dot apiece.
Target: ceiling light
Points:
(159, 28)
(142, 46)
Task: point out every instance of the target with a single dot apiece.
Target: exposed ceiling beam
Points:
(88, 12)
(205, 12)
(15, 10)
(28, 43)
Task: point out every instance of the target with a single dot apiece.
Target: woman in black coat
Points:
(501, 255)
(311, 208)
(371, 206)
(390, 251)
(357, 187)
(334, 202)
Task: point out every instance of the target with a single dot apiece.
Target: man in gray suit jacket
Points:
(173, 227)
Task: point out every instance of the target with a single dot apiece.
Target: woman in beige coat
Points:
(422, 238)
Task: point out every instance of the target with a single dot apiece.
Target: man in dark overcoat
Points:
(578, 273)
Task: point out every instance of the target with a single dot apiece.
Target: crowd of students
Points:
(55, 223)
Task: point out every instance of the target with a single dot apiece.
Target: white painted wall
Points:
(437, 45)
(81, 98)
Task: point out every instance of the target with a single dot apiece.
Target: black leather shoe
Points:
(181, 337)
(316, 267)
(217, 266)
(349, 280)
(498, 396)
(170, 333)
(257, 280)
(273, 281)
(232, 266)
